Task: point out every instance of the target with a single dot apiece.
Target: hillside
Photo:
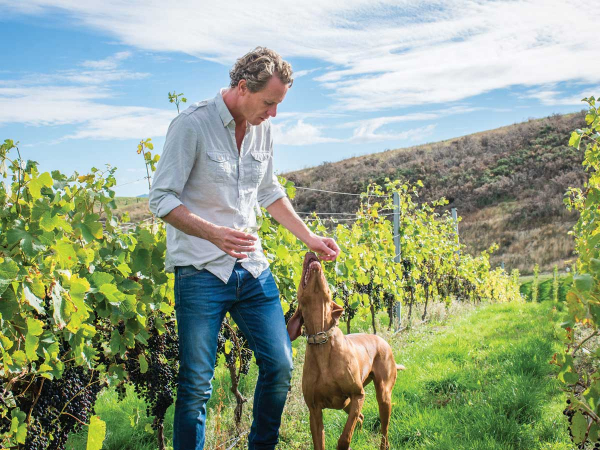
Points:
(507, 184)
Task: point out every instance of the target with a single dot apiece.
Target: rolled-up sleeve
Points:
(270, 190)
(174, 166)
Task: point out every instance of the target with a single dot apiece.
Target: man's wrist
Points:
(308, 237)
(211, 232)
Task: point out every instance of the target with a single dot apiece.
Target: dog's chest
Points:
(325, 394)
(327, 381)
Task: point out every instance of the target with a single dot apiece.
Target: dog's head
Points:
(313, 295)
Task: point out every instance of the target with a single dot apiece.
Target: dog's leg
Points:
(316, 428)
(384, 399)
(361, 417)
(356, 403)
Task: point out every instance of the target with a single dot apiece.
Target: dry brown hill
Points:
(508, 185)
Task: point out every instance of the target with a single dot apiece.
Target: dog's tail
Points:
(400, 367)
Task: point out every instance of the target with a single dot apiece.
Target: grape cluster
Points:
(406, 268)
(343, 293)
(390, 302)
(63, 404)
(245, 356)
(288, 315)
(158, 384)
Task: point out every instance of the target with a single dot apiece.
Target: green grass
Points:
(478, 381)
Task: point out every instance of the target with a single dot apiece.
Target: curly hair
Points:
(258, 66)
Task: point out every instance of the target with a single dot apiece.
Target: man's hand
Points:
(282, 212)
(325, 247)
(233, 242)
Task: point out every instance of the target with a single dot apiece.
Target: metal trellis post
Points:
(398, 257)
(455, 218)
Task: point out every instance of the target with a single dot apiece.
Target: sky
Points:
(82, 82)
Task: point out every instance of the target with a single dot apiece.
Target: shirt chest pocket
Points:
(219, 166)
(260, 162)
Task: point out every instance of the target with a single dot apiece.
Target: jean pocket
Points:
(188, 271)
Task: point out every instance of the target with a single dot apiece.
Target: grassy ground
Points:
(480, 380)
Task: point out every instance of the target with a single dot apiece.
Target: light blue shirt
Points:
(201, 168)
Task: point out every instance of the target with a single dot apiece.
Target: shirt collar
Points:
(226, 116)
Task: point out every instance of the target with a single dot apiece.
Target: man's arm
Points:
(231, 241)
(283, 212)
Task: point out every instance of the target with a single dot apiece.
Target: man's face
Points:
(260, 106)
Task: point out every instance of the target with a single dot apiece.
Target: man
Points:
(216, 168)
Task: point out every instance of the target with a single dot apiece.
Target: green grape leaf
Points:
(112, 293)
(579, 426)
(30, 246)
(37, 288)
(31, 345)
(65, 253)
(575, 140)
(19, 358)
(143, 363)
(141, 260)
(9, 304)
(116, 343)
(129, 285)
(124, 269)
(96, 433)
(8, 272)
(282, 252)
(18, 427)
(33, 301)
(79, 287)
(34, 326)
(95, 227)
(58, 303)
(100, 278)
(583, 282)
(36, 184)
(570, 377)
(88, 354)
(595, 265)
(86, 233)
(85, 256)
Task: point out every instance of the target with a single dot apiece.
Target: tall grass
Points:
(477, 381)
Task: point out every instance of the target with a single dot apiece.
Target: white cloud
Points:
(126, 123)
(386, 54)
(109, 63)
(75, 97)
(553, 96)
(377, 56)
(368, 133)
(288, 115)
(300, 133)
(303, 73)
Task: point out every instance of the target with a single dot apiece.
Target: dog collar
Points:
(321, 337)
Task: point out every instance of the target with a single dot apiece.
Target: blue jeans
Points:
(201, 302)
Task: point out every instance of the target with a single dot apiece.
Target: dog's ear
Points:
(336, 311)
(294, 325)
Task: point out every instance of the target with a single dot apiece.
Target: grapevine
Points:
(85, 303)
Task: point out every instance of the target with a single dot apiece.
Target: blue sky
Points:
(82, 82)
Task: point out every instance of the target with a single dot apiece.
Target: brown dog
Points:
(338, 367)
